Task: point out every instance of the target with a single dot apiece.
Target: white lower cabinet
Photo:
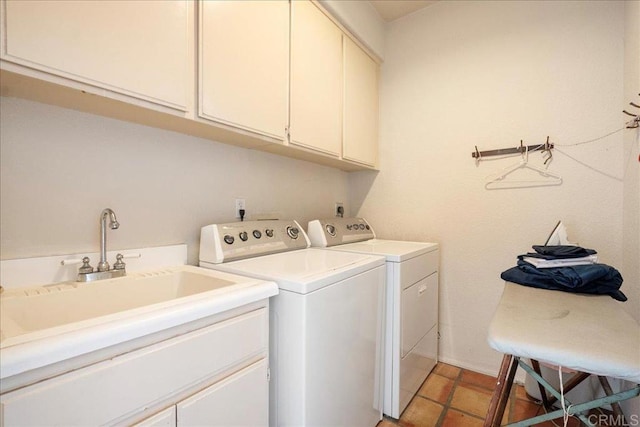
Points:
(213, 376)
(166, 418)
(240, 400)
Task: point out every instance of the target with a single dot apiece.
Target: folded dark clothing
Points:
(588, 279)
(561, 251)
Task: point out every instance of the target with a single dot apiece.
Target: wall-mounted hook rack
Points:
(547, 146)
(636, 116)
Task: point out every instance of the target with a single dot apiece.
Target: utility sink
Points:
(78, 317)
(40, 308)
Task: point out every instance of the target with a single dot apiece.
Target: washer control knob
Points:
(355, 226)
(243, 236)
(367, 227)
(269, 232)
(293, 232)
(257, 234)
(361, 226)
(228, 239)
(331, 230)
(349, 226)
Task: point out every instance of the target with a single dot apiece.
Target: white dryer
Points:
(326, 323)
(411, 337)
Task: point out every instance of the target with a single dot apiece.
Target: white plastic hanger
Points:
(497, 181)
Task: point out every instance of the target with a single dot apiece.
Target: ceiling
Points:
(390, 10)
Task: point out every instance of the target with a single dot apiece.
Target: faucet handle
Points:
(119, 265)
(85, 268)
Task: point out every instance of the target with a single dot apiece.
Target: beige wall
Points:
(631, 221)
(466, 73)
(631, 213)
(60, 168)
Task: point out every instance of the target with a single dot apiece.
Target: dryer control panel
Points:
(338, 231)
(238, 240)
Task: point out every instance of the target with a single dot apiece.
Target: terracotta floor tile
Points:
(456, 397)
(472, 399)
(523, 409)
(455, 418)
(480, 380)
(448, 371)
(421, 413)
(521, 393)
(385, 423)
(436, 387)
(507, 414)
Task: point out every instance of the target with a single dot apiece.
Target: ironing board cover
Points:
(587, 333)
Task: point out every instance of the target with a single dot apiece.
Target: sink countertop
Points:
(31, 350)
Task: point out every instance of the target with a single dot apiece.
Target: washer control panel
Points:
(338, 231)
(237, 240)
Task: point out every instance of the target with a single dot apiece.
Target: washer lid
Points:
(303, 271)
(393, 250)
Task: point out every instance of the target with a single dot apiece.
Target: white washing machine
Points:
(411, 337)
(326, 324)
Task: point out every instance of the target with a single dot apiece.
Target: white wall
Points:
(631, 222)
(466, 73)
(60, 168)
(631, 215)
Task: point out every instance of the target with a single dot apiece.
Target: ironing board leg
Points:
(543, 392)
(574, 381)
(503, 389)
(617, 410)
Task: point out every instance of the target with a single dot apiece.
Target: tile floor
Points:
(455, 397)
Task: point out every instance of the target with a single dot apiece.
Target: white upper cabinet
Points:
(316, 80)
(360, 132)
(244, 64)
(275, 75)
(136, 48)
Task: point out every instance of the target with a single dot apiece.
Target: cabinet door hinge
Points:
(268, 374)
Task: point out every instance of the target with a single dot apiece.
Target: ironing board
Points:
(590, 334)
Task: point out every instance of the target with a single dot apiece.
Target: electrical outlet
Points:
(339, 211)
(239, 205)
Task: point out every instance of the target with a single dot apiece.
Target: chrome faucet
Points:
(86, 273)
(103, 265)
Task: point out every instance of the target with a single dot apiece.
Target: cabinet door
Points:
(137, 48)
(166, 418)
(360, 137)
(244, 64)
(105, 391)
(239, 400)
(316, 80)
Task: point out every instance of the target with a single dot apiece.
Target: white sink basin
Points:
(74, 318)
(35, 309)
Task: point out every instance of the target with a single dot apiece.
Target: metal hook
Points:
(548, 150)
(478, 156)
